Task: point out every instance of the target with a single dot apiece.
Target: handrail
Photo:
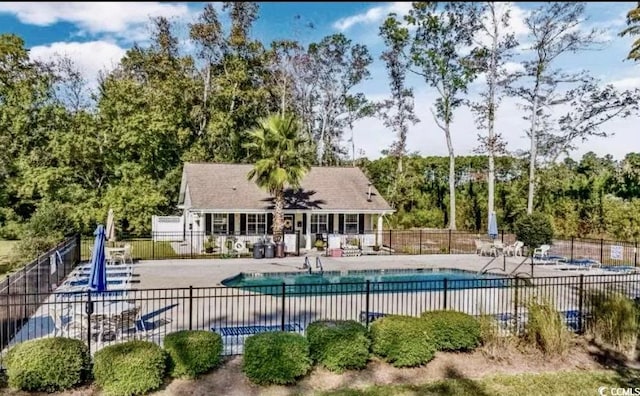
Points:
(519, 265)
(319, 264)
(484, 269)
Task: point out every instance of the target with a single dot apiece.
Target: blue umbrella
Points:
(493, 225)
(98, 274)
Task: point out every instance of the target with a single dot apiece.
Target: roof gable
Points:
(226, 187)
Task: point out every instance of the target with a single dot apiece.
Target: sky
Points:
(96, 35)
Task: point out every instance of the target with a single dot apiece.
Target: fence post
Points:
(153, 246)
(89, 310)
(78, 254)
(571, 249)
(635, 254)
(24, 307)
(8, 306)
(366, 303)
(421, 241)
(190, 307)
(502, 234)
(449, 241)
(284, 296)
(515, 304)
(601, 249)
(390, 238)
(191, 241)
(580, 303)
(445, 283)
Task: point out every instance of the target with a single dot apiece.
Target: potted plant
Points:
(209, 245)
(319, 245)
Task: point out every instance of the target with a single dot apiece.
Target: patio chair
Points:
(67, 323)
(488, 249)
(515, 249)
(478, 244)
(499, 247)
(127, 253)
(542, 252)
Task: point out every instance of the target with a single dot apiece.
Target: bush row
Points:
(137, 367)
(130, 368)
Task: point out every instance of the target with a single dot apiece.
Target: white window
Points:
(319, 223)
(219, 221)
(351, 224)
(256, 224)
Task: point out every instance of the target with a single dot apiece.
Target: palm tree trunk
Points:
(278, 216)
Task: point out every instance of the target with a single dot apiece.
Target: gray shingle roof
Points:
(225, 186)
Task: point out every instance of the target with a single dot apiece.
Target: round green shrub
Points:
(48, 364)
(193, 352)
(534, 230)
(339, 345)
(403, 341)
(276, 358)
(130, 368)
(452, 330)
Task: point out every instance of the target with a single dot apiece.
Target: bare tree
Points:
(491, 58)
(556, 29)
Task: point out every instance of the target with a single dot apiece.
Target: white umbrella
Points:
(111, 227)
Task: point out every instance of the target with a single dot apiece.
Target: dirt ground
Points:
(230, 381)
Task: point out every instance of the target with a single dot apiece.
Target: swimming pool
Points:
(355, 281)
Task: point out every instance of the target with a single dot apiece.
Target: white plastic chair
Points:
(541, 252)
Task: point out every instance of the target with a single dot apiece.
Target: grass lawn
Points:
(559, 383)
(141, 249)
(5, 249)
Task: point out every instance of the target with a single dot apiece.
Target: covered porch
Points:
(225, 232)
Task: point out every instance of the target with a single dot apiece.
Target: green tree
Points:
(282, 159)
(633, 20)
(443, 33)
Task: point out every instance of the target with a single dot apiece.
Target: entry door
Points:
(289, 225)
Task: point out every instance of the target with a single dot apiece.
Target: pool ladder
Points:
(307, 265)
(319, 265)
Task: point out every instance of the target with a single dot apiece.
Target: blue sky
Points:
(96, 35)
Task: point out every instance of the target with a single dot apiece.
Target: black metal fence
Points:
(191, 245)
(23, 291)
(236, 313)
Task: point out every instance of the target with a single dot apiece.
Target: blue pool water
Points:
(348, 282)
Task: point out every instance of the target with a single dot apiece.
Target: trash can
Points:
(258, 250)
(280, 249)
(269, 250)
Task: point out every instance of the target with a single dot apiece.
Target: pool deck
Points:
(211, 272)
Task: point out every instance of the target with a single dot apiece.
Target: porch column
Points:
(307, 244)
(379, 230)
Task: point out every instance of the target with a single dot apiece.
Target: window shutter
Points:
(304, 223)
(269, 223)
(208, 228)
(243, 224)
(330, 226)
(341, 223)
(231, 223)
(361, 223)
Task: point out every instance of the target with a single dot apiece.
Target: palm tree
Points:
(633, 29)
(283, 158)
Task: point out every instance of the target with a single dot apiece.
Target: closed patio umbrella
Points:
(493, 226)
(111, 227)
(98, 273)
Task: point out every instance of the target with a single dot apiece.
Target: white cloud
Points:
(426, 138)
(96, 17)
(627, 83)
(90, 57)
(372, 15)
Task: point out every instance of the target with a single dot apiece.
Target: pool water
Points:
(348, 282)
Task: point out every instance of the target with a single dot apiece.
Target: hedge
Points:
(452, 330)
(276, 358)
(338, 345)
(49, 364)
(403, 341)
(193, 352)
(130, 368)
